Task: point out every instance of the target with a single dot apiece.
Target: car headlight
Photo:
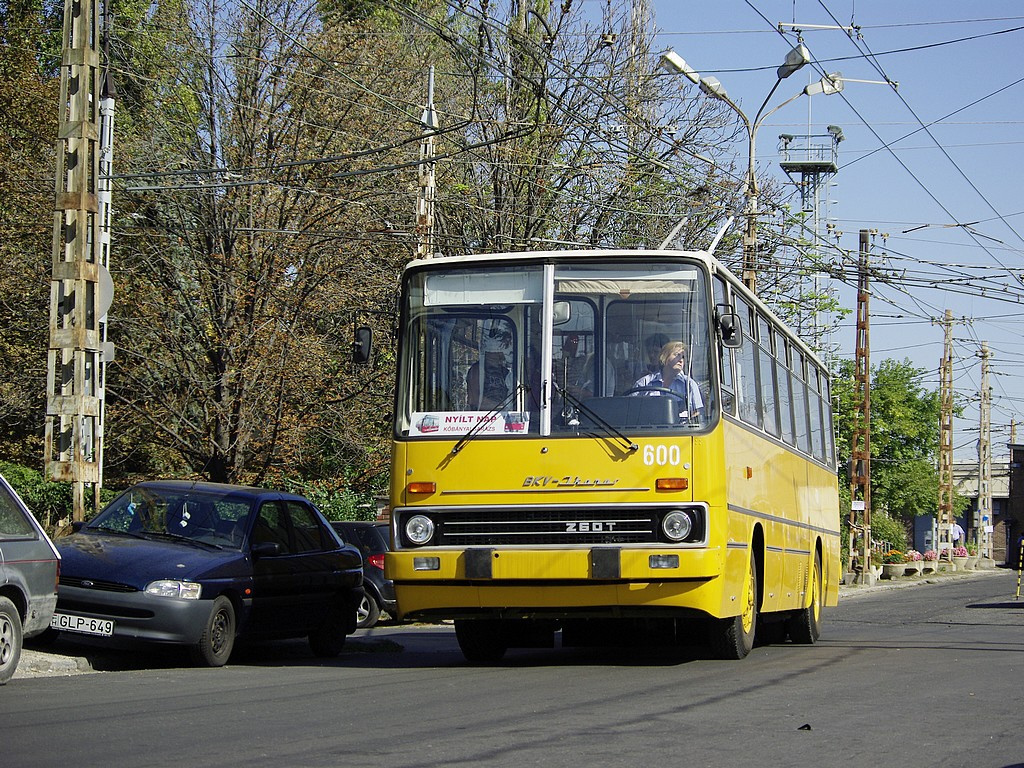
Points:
(419, 529)
(186, 590)
(676, 525)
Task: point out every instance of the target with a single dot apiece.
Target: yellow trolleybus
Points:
(599, 445)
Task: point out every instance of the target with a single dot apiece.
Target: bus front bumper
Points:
(439, 582)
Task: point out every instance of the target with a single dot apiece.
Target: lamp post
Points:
(795, 59)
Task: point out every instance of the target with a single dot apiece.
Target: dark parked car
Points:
(372, 540)
(29, 568)
(201, 563)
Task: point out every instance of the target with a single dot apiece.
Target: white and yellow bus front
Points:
(559, 458)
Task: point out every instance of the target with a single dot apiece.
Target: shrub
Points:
(48, 500)
(338, 503)
(889, 530)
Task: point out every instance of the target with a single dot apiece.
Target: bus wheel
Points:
(481, 640)
(805, 625)
(733, 638)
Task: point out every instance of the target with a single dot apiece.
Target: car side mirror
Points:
(362, 345)
(266, 549)
(77, 525)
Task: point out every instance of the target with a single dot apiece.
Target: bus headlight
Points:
(419, 529)
(676, 525)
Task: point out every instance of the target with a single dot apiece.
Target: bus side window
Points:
(766, 374)
(817, 422)
(803, 432)
(826, 406)
(786, 393)
(725, 354)
(746, 370)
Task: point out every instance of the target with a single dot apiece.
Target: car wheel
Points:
(10, 639)
(327, 640)
(214, 647)
(368, 611)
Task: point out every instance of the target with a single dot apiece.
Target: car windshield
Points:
(186, 513)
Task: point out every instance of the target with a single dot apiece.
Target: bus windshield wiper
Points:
(477, 428)
(607, 428)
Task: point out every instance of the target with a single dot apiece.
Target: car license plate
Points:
(67, 622)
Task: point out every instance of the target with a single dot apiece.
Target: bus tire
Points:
(805, 625)
(481, 640)
(733, 638)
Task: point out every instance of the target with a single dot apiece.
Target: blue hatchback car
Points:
(198, 564)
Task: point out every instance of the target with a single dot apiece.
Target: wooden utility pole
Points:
(860, 453)
(983, 523)
(74, 387)
(945, 522)
(427, 177)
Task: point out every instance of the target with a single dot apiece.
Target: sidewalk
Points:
(847, 591)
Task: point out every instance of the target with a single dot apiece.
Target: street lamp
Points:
(795, 59)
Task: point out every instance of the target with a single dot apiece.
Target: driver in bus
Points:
(671, 379)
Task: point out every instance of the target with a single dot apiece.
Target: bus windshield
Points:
(565, 349)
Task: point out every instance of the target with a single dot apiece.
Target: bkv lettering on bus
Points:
(572, 481)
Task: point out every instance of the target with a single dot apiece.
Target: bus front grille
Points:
(530, 527)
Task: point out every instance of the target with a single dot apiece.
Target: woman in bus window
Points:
(672, 376)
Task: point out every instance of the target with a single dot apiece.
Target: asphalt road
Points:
(926, 675)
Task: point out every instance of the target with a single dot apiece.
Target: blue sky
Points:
(948, 197)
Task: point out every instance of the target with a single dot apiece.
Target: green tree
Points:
(904, 439)
(29, 90)
(244, 257)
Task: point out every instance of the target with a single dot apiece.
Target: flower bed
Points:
(929, 561)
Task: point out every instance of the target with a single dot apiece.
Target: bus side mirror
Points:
(730, 330)
(362, 345)
(561, 313)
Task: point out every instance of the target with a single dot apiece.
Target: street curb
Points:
(847, 591)
(35, 663)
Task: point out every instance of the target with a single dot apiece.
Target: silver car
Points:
(29, 570)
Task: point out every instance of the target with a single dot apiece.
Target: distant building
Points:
(965, 480)
(1015, 508)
